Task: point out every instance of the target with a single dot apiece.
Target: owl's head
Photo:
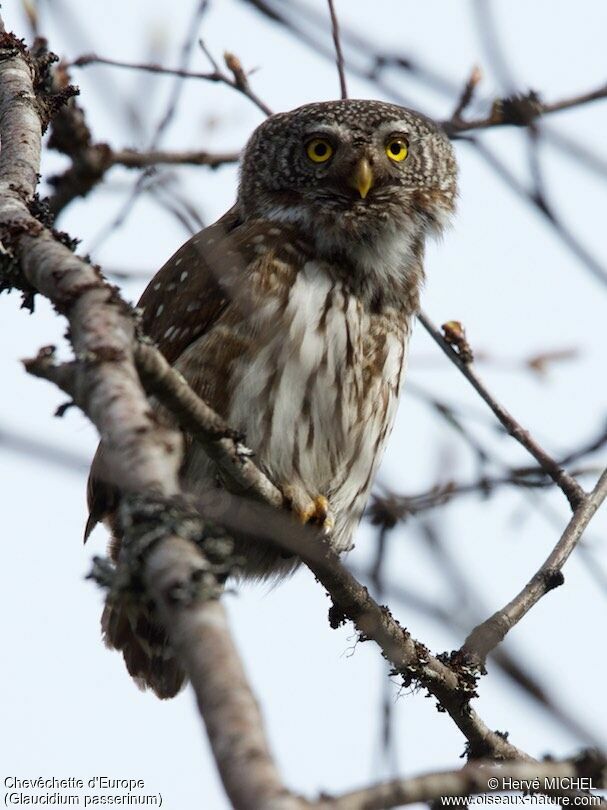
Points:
(350, 170)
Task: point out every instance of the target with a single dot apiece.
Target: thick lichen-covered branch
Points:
(143, 456)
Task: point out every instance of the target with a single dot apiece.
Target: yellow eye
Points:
(397, 149)
(319, 150)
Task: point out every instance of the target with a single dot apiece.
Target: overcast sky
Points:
(68, 707)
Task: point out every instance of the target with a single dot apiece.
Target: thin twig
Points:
(339, 57)
(184, 59)
(467, 93)
(386, 509)
(134, 159)
(570, 487)
(414, 67)
(92, 162)
(240, 81)
(152, 67)
(458, 618)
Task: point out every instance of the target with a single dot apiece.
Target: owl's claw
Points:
(317, 512)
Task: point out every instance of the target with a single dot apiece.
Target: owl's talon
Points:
(317, 512)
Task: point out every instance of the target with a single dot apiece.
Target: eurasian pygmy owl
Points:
(291, 316)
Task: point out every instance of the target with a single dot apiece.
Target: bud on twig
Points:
(234, 65)
(455, 335)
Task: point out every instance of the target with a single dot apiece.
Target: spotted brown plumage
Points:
(291, 317)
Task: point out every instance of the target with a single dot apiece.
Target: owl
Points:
(291, 317)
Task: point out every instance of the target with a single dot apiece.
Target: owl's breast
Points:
(316, 391)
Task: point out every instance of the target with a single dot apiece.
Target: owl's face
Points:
(350, 168)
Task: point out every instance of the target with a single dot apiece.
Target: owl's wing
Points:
(182, 302)
(186, 296)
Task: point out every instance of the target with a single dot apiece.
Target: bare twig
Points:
(339, 57)
(502, 114)
(486, 636)
(570, 487)
(387, 509)
(240, 81)
(151, 67)
(200, 7)
(92, 162)
(467, 94)
(134, 159)
(187, 47)
(390, 507)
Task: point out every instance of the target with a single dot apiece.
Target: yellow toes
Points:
(317, 512)
(306, 513)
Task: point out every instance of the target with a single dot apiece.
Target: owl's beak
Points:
(362, 177)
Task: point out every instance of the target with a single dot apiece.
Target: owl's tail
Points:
(132, 629)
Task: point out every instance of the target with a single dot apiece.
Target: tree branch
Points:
(451, 682)
(200, 636)
(471, 780)
(144, 454)
(486, 636)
